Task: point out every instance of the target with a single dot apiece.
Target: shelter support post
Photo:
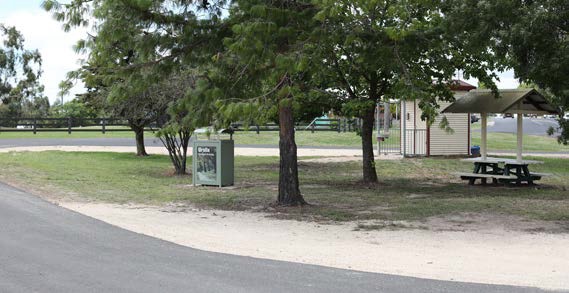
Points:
(518, 101)
(378, 127)
(484, 135)
(520, 134)
(386, 117)
(403, 118)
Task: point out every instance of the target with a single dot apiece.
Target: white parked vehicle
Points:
(566, 116)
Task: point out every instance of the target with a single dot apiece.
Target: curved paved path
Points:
(118, 142)
(531, 126)
(153, 143)
(45, 248)
(111, 141)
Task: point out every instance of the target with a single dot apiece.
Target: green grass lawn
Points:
(303, 138)
(508, 141)
(496, 141)
(411, 189)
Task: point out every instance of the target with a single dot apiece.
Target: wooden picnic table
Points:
(500, 160)
(489, 168)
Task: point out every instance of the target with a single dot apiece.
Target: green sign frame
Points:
(213, 162)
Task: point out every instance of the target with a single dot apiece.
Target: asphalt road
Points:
(45, 248)
(531, 126)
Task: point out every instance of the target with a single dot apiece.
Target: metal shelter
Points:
(519, 101)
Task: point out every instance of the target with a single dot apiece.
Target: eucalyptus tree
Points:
(181, 117)
(20, 70)
(530, 37)
(372, 51)
(539, 52)
(140, 110)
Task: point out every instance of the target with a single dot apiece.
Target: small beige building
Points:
(420, 139)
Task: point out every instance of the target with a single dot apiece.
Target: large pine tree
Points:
(266, 52)
(138, 50)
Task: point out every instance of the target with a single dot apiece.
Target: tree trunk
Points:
(177, 146)
(370, 175)
(185, 141)
(289, 191)
(139, 137)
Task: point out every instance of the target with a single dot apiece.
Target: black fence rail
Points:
(68, 124)
(71, 124)
(336, 125)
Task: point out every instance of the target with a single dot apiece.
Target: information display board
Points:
(213, 162)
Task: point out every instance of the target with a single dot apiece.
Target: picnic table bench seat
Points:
(466, 176)
(538, 176)
(471, 177)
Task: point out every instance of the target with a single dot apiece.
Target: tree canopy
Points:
(373, 51)
(530, 37)
(140, 42)
(137, 50)
(287, 60)
(20, 90)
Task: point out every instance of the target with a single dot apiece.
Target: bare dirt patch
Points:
(496, 256)
(493, 222)
(350, 159)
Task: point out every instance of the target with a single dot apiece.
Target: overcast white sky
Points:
(42, 32)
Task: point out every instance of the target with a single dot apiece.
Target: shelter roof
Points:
(509, 101)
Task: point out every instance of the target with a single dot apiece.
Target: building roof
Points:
(460, 85)
(510, 101)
